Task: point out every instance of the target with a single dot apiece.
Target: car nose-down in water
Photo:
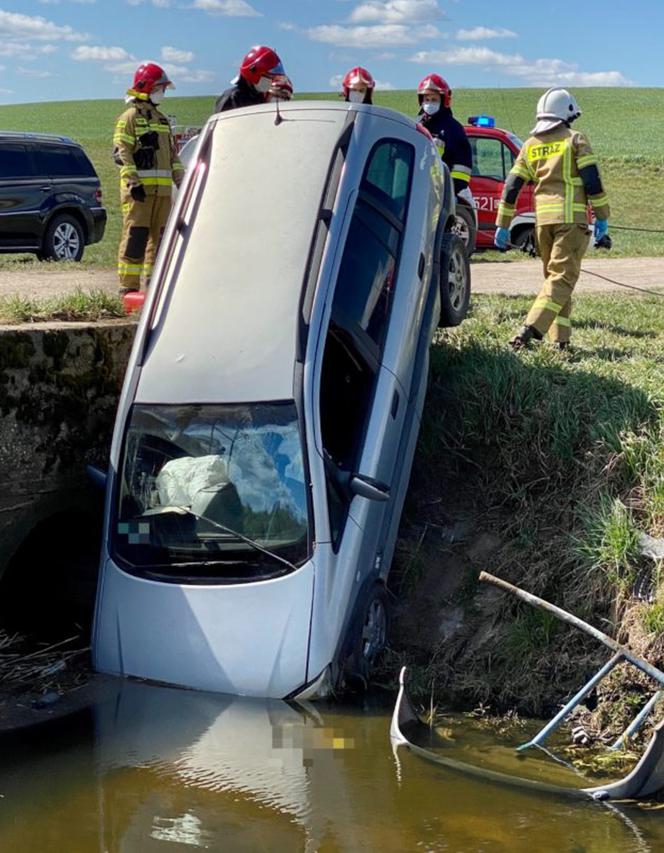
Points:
(270, 411)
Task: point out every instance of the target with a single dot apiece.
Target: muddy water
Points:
(154, 769)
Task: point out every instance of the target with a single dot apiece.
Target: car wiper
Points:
(251, 542)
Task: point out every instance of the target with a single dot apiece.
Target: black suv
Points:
(50, 197)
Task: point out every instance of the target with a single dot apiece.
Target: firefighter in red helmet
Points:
(144, 149)
(358, 86)
(435, 99)
(257, 70)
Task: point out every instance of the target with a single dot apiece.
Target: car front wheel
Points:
(64, 240)
(454, 281)
(368, 639)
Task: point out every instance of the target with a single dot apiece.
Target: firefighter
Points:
(144, 149)
(435, 99)
(357, 86)
(257, 70)
(564, 169)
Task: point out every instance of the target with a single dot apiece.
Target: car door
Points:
(492, 160)
(22, 193)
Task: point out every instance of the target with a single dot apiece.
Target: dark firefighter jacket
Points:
(239, 95)
(452, 142)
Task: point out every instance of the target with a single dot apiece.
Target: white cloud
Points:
(174, 54)
(160, 4)
(97, 53)
(230, 8)
(395, 12)
(182, 74)
(33, 72)
(381, 35)
(27, 52)
(537, 72)
(16, 26)
(483, 33)
(58, 2)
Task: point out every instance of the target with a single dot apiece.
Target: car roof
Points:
(497, 132)
(36, 137)
(230, 332)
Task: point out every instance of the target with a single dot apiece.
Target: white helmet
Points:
(555, 107)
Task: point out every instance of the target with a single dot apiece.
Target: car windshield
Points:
(515, 140)
(199, 481)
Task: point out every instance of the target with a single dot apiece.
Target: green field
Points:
(624, 126)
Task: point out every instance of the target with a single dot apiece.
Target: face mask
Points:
(430, 107)
(356, 97)
(263, 85)
(157, 96)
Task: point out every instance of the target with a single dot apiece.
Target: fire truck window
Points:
(508, 159)
(488, 158)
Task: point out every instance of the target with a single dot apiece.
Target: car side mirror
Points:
(369, 488)
(97, 477)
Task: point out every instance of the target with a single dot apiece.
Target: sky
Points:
(79, 49)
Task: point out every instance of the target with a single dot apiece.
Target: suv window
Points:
(61, 161)
(15, 161)
(389, 172)
(360, 315)
(491, 158)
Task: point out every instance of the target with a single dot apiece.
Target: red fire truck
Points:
(494, 152)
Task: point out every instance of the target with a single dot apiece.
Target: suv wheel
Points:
(454, 281)
(63, 241)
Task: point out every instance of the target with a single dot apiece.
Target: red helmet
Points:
(355, 76)
(435, 83)
(147, 76)
(260, 62)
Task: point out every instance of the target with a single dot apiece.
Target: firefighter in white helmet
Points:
(144, 149)
(564, 169)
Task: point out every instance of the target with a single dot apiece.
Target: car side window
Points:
(388, 174)
(360, 315)
(57, 161)
(15, 162)
(488, 158)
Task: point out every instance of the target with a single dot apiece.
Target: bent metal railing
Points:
(621, 653)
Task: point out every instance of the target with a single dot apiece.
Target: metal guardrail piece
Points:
(620, 653)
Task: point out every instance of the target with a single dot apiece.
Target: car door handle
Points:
(395, 404)
(420, 266)
(45, 189)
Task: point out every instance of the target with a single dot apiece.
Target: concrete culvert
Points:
(47, 590)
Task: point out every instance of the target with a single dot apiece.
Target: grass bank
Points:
(542, 468)
(628, 141)
(80, 306)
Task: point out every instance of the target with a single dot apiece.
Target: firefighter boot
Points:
(524, 336)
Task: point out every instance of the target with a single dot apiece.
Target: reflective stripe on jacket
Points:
(144, 148)
(553, 162)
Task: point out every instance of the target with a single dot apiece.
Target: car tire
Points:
(465, 227)
(524, 239)
(368, 639)
(64, 240)
(454, 281)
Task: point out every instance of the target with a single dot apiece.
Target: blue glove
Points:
(601, 229)
(502, 238)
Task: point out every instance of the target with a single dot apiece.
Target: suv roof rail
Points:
(44, 137)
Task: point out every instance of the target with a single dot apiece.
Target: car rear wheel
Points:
(454, 281)
(524, 239)
(464, 227)
(64, 240)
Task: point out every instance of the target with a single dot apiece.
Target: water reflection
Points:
(161, 769)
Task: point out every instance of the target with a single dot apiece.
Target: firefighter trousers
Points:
(143, 224)
(561, 248)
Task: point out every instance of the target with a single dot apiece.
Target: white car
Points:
(271, 408)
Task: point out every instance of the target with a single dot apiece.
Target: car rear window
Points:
(62, 161)
(15, 162)
(388, 175)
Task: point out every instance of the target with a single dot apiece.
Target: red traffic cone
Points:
(133, 301)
